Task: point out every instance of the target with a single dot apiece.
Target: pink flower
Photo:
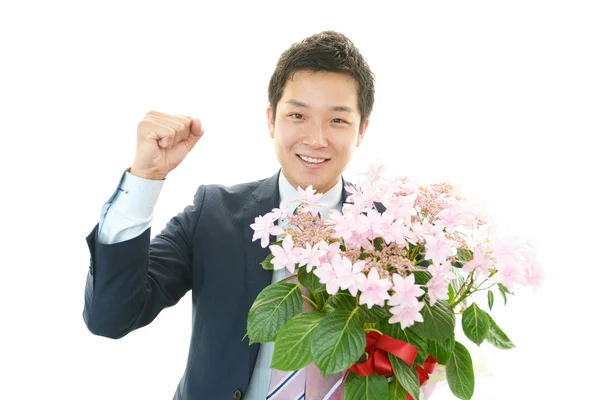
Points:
(505, 249)
(469, 212)
(437, 286)
(310, 200)
(375, 290)
(285, 256)
(439, 248)
(330, 251)
(375, 171)
(420, 231)
(405, 289)
(359, 279)
(534, 275)
(311, 256)
(399, 233)
(407, 314)
(402, 207)
(263, 227)
(509, 274)
(481, 261)
(371, 225)
(345, 224)
(361, 198)
(387, 227)
(277, 213)
(349, 276)
(448, 218)
(327, 275)
(437, 289)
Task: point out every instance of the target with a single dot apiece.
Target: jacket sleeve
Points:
(130, 282)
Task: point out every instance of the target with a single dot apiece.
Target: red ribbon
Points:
(377, 349)
(423, 373)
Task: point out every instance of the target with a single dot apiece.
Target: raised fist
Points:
(163, 141)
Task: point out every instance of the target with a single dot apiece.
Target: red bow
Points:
(423, 373)
(377, 349)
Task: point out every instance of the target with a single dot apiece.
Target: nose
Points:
(316, 136)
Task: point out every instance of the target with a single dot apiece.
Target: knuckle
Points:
(144, 124)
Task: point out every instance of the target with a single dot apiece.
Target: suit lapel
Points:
(262, 201)
(264, 198)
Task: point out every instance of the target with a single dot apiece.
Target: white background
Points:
(501, 98)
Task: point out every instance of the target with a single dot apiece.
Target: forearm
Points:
(131, 277)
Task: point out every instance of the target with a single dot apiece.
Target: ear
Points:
(271, 121)
(362, 132)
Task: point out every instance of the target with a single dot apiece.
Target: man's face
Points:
(316, 128)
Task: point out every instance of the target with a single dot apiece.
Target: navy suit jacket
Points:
(207, 248)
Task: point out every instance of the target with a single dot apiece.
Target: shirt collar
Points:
(331, 200)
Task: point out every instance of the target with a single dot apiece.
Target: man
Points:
(320, 98)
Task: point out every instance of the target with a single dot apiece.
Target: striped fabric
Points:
(287, 385)
(305, 384)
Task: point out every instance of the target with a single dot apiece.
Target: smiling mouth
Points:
(311, 160)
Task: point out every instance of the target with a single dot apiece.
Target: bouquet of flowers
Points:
(385, 279)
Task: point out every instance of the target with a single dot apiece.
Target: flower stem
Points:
(460, 296)
(311, 302)
(373, 330)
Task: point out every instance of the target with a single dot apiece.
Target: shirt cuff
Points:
(137, 197)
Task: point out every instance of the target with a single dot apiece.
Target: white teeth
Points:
(313, 160)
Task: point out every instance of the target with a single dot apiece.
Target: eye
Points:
(296, 116)
(339, 121)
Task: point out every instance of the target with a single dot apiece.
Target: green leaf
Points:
(438, 321)
(497, 338)
(338, 341)
(310, 281)
(490, 296)
(464, 254)
(456, 284)
(475, 324)
(319, 298)
(451, 293)
(460, 374)
(372, 387)
(441, 351)
(503, 291)
(504, 296)
(406, 375)
(374, 314)
(275, 305)
(342, 301)
(396, 391)
(407, 335)
(378, 243)
(421, 277)
(266, 264)
(292, 344)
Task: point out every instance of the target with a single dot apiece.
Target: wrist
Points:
(146, 175)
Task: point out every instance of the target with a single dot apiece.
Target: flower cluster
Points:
(397, 262)
(387, 231)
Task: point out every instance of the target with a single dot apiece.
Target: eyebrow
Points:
(301, 104)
